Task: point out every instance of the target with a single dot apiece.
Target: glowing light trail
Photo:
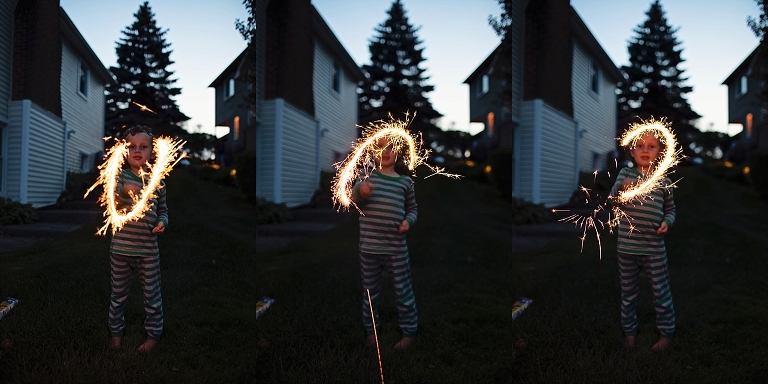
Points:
(375, 335)
(166, 153)
(143, 108)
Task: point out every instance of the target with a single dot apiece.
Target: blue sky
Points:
(455, 35)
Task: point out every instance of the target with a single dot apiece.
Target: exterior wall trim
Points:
(536, 177)
(26, 110)
(278, 167)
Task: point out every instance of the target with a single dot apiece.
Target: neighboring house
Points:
(562, 116)
(51, 101)
(306, 110)
(747, 107)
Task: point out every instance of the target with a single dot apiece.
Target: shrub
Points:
(14, 212)
(268, 212)
(217, 174)
(78, 183)
(245, 166)
(524, 212)
(730, 172)
(758, 171)
(501, 170)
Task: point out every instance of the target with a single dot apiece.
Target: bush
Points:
(245, 166)
(758, 171)
(524, 212)
(217, 174)
(730, 172)
(268, 212)
(78, 183)
(501, 170)
(14, 212)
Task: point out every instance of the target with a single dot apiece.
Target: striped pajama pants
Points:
(399, 269)
(655, 268)
(148, 269)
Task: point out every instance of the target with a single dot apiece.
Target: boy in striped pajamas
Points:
(134, 247)
(641, 244)
(388, 204)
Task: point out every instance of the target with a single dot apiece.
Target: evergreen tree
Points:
(503, 70)
(143, 79)
(395, 83)
(654, 84)
(760, 27)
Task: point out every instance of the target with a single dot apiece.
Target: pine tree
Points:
(655, 86)
(395, 83)
(760, 28)
(143, 79)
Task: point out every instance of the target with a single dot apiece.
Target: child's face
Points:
(646, 150)
(385, 154)
(139, 150)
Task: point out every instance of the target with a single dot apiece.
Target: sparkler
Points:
(167, 154)
(375, 335)
(364, 152)
(143, 108)
(671, 155)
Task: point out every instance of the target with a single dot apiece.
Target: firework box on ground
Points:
(262, 305)
(520, 305)
(7, 305)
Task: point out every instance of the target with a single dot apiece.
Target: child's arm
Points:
(362, 191)
(162, 211)
(619, 184)
(411, 210)
(669, 210)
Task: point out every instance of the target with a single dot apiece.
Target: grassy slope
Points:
(466, 274)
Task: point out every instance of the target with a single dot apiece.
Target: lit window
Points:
(482, 85)
(742, 86)
(236, 127)
(595, 78)
(336, 85)
(490, 124)
(749, 125)
(82, 79)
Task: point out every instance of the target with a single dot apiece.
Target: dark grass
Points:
(467, 275)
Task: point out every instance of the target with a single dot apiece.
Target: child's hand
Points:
(159, 228)
(365, 189)
(131, 190)
(663, 228)
(627, 183)
(404, 227)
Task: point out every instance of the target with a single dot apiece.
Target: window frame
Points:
(83, 78)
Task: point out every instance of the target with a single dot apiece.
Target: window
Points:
(595, 78)
(490, 123)
(229, 88)
(482, 85)
(748, 125)
(741, 86)
(86, 161)
(236, 128)
(82, 79)
(336, 80)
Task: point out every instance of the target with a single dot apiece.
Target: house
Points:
(747, 107)
(51, 101)
(562, 115)
(305, 115)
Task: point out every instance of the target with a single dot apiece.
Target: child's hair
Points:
(136, 129)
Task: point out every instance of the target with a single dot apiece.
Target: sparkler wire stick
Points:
(375, 335)
(167, 154)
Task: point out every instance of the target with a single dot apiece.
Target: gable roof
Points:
(323, 34)
(70, 33)
(748, 64)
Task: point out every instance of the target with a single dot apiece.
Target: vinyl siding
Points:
(12, 157)
(84, 115)
(297, 182)
(6, 55)
(336, 111)
(595, 112)
(265, 152)
(523, 154)
(45, 177)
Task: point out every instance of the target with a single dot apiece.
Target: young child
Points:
(388, 204)
(134, 247)
(641, 244)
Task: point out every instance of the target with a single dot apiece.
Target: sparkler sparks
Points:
(375, 335)
(143, 108)
(364, 152)
(167, 154)
(670, 156)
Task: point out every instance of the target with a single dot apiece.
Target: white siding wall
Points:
(336, 112)
(6, 55)
(84, 115)
(595, 113)
(45, 177)
(544, 155)
(12, 157)
(298, 178)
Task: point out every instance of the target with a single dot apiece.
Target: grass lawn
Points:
(467, 275)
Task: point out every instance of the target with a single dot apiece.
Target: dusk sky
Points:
(456, 37)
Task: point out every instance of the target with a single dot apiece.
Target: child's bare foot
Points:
(404, 343)
(370, 341)
(115, 342)
(629, 342)
(662, 344)
(148, 345)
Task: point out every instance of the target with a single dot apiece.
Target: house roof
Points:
(582, 34)
(77, 41)
(747, 64)
(323, 34)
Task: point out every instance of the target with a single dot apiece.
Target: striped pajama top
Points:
(392, 200)
(136, 237)
(646, 215)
